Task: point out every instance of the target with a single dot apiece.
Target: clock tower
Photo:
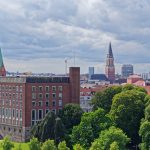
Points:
(110, 67)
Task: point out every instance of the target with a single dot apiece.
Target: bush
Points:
(7, 144)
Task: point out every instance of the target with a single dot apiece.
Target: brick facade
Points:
(24, 101)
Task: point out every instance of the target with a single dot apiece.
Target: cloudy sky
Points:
(38, 35)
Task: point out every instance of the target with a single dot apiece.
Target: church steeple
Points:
(2, 68)
(110, 68)
(110, 53)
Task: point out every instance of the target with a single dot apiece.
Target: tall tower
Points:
(110, 68)
(2, 68)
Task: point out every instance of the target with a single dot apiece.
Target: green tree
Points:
(107, 137)
(51, 127)
(91, 125)
(34, 144)
(46, 130)
(104, 99)
(127, 111)
(145, 134)
(7, 144)
(63, 146)
(71, 115)
(49, 145)
(78, 147)
(147, 113)
(114, 146)
(147, 100)
(59, 130)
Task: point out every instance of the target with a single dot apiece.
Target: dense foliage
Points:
(71, 115)
(90, 126)
(127, 110)
(108, 137)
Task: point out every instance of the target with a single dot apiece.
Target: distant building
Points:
(145, 76)
(2, 67)
(110, 67)
(127, 70)
(91, 72)
(85, 99)
(136, 80)
(25, 101)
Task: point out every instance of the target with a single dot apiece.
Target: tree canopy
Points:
(71, 115)
(127, 111)
(89, 128)
(108, 137)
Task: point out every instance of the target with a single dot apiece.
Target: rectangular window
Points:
(40, 103)
(33, 114)
(46, 111)
(20, 88)
(60, 96)
(60, 88)
(16, 113)
(54, 110)
(47, 88)
(47, 95)
(47, 103)
(33, 88)
(53, 88)
(60, 103)
(33, 95)
(40, 95)
(20, 114)
(40, 115)
(17, 89)
(54, 103)
(40, 88)
(13, 113)
(33, 103)
(54, 95)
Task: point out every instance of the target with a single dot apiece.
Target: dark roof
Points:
(101, 77)
(110, 53)
(47, 79)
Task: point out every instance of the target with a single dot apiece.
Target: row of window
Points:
(38, 115)
(11, 95)
(47, 103)
(11, 113)
(14, 103)
(10, 88)
(47, 96)
(47, 88)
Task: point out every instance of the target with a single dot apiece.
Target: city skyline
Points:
(38, 36)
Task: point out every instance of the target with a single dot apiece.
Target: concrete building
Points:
(110, 67)
(91, 72)
(24, 101)
(85, 99)
(126, 70)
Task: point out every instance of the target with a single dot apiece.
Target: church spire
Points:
(1, 59)
(2, 68)
(110, 67)
(110, 53)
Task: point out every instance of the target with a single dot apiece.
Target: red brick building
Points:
(24, 101)
(110, 67)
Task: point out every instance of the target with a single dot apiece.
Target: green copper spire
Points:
(1, 59)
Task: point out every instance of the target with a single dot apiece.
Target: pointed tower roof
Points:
(110, 53)
(1, 59)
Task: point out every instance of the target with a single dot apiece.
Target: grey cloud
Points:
(56, 28)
